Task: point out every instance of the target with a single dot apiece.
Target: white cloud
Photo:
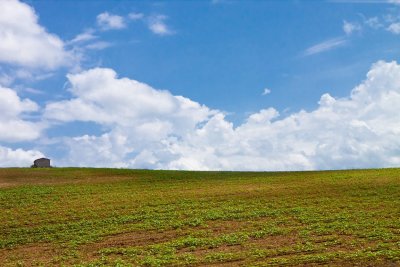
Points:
(394, 28)
(6, 79)
(103, 98)
(9, 74)
(136, 115)
(100, 45)
(358, 131)
(373, 22)
(349, 27)
(107, 21)
(158, 26)
(18, 157)
(85, 36)
(266, 91)
(24, 43)
(135, 16)
(33, 91)
(325, 46)
(149, 128)
(13, 127)
(396, 2)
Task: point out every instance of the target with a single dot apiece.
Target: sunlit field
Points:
(112, 217)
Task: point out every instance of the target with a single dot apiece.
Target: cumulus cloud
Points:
(18, 157)
(137, 115)
(149, 128)
(102, 97)
(373, 22)
(158, 26)
(353, 132)
(24, 43)
(107, 21)
(266, 91)
(389, 22)
(394, 28)
(13, 127)
(349, 27)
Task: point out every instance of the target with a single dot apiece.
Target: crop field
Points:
(114, 217)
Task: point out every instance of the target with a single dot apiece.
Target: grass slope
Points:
(110, 217)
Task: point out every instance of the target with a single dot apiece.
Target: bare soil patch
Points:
(30, 255)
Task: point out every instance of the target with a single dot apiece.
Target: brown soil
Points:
(30, 255)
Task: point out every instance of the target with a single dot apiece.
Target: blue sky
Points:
(233, 49)
(235, 60)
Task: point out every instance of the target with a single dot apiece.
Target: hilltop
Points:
(115, 217)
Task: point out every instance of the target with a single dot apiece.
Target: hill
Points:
(113, 217)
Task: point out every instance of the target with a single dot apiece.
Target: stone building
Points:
(41, 163)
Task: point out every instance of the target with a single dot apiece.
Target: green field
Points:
(112, 217)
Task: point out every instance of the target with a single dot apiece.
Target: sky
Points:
(200, 85)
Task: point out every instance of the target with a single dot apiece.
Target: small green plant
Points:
(115, 217)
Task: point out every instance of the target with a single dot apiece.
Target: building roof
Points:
(42, 159)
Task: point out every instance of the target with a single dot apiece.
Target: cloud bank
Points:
(144, 127)
(13, 127)
(23, 40)
(17, 157)
(108, 21)
(149, 128)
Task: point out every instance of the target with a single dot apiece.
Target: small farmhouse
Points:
(41, 163)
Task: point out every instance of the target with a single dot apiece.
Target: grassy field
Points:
(110, 217)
